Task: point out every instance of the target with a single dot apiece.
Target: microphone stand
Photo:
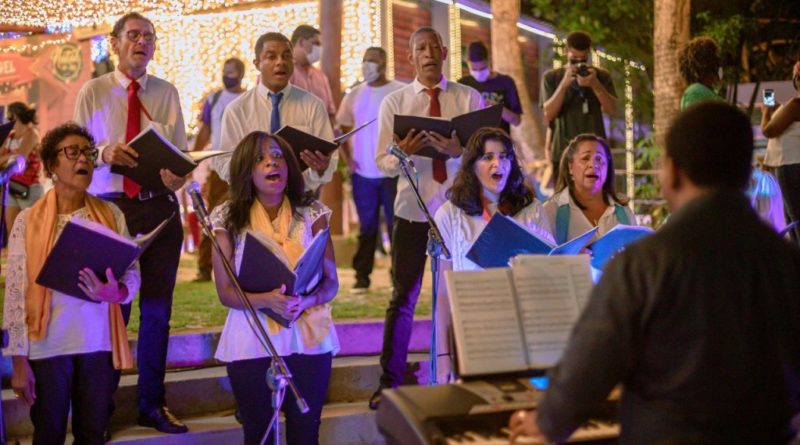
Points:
(436, 248)
(278, 376)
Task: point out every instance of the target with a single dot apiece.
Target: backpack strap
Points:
(562, 223)
(215, 99)
(621, 215)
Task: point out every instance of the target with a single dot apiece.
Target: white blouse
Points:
(460, 230)
(784, 149)
(76, 326)
(578, 222)
(237, 341)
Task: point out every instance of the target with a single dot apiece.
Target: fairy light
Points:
(192, 48)
(32, 48)
(455, 41)
(79, 13)
(629, 153)
(361, 28)
(388, 38)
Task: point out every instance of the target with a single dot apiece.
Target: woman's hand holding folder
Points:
(277, 301)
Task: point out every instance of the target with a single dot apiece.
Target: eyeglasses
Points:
(73, 152)
(134, 35)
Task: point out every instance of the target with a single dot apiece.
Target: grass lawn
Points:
(196, 306)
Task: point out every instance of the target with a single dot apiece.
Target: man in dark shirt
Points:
(575, 97)
(700, 323)
(495, 88)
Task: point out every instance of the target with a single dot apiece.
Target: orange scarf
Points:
(315, 322)
(40, 235)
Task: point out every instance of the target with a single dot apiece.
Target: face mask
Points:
(370, 71)
(316, 53)
(230, 82)
(481, 75)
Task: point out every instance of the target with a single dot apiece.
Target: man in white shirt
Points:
(215, 189)
(274, 103)
(431, 94)
(371, 188)
(114, 108)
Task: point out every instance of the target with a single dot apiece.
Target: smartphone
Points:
(769, 97)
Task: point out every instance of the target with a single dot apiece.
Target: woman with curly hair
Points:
(488, 181)
(64, 348)
(700, 67)
(267, 196)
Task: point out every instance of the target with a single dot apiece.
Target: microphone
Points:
(397, 152)
(14, 165)
(199, 205)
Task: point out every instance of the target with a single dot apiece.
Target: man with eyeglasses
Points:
(574, 97)
(115, 107)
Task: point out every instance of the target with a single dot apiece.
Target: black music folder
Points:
(503, 238)
(85, 243)
(300, 140)
(464, 125)
(157, 152)
(264, 268)
(518, 318)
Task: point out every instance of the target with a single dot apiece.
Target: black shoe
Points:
(162, 420)
(375, 400)
(202, 277)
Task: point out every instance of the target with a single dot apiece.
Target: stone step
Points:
(196, 349)
(197, 392)
(342, 424)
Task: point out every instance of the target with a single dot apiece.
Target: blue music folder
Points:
(615, 241)
(503, 239)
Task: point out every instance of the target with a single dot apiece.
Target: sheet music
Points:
(485, 322)
(551, 293)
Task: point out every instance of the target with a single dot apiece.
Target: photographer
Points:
(575, 97)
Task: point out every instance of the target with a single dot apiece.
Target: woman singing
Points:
(489, 180)
(65, 349)
(267, 196)
(585, 196)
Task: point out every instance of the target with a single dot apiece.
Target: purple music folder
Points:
(264, 268)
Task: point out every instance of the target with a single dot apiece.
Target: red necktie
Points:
(134, 126)
(439, 167)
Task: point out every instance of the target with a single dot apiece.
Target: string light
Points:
(361, 23)
(455, 41)
(33, 48)
(191, 48)
(629, 145)
(79, 13)
(388, 38)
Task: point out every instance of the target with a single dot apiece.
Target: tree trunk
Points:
(670, 32)
(507, 59)
(330, 28)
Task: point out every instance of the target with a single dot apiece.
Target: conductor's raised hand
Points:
(316, 160)
(450, 146)
(412, 143)
(120, 154)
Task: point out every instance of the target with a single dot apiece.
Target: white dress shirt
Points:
(252, 111)
(358, 107)
(102, 107)
(578, 222)
(237, 341)
(76, 326)
(454, 99)
(460, 231)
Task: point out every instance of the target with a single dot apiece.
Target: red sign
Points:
(15, 69)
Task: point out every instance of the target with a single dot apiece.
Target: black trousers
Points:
(159, 267)
(789, 180)
(409, 243)
(84, 381)
(311, 374)
(370, 194)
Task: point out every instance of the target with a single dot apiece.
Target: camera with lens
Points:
(583, 69)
